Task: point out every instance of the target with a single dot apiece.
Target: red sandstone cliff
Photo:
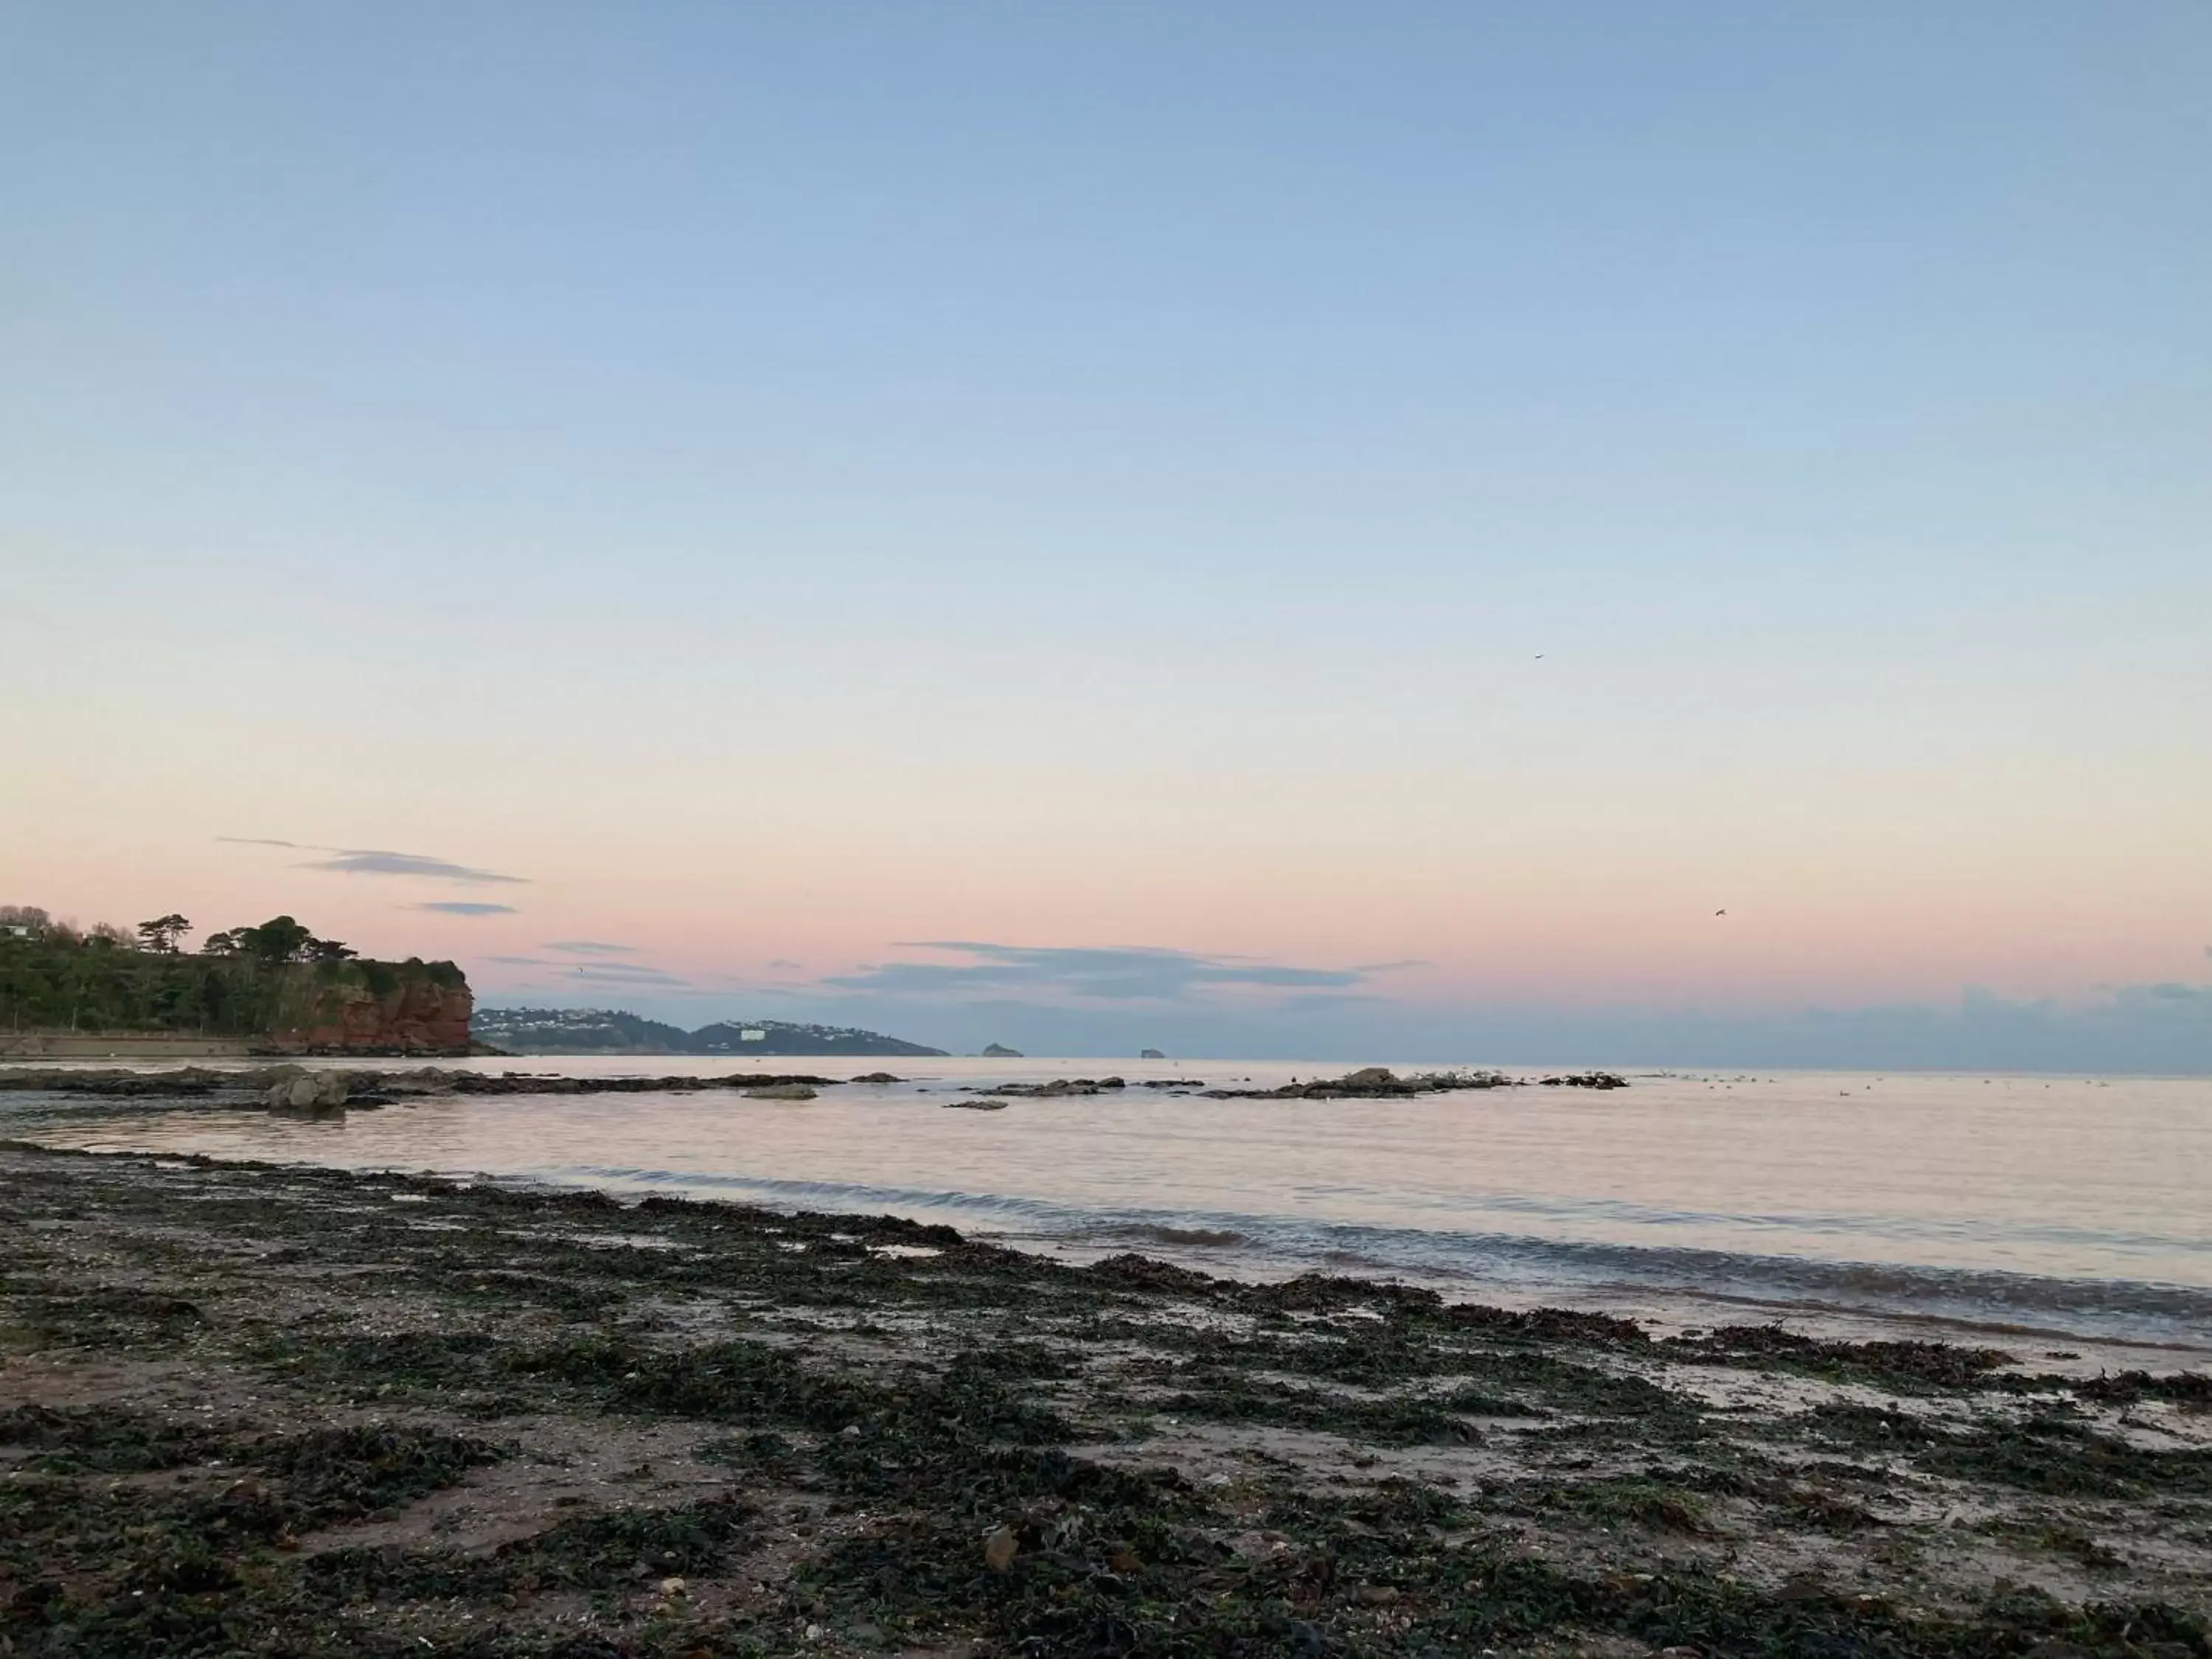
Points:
(418, 1012)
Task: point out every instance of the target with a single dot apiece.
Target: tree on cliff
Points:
(280, 939)
(277, 941)
(162, 934)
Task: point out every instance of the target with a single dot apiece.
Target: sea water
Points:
(2060, 1206)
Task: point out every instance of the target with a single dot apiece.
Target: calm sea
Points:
(2075, 1206)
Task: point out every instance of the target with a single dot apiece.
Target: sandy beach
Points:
(251, 1409)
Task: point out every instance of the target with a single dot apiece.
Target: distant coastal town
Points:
(610, 1031)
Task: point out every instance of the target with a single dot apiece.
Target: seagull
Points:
(1720, 913)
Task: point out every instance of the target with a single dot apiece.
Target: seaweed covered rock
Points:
(1371, 1082)
(308, 1094)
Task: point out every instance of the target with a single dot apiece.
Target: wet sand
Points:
(282, 1410)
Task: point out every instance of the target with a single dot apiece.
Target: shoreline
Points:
(2132, 1317)
(516, 1420)
(1661, 1307)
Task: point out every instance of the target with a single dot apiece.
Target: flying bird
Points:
(1720, 913)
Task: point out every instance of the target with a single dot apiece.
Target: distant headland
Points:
(611, 1032)
(270, 988)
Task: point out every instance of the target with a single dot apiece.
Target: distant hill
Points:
(576, 1031)
(610, 1031)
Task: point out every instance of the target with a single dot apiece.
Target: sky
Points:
(1289, 529)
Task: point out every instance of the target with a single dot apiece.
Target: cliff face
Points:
(412, 1007)
(62, 991)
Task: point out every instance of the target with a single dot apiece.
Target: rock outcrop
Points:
(1371, 1083)
(1058, 1087)
(410, 1007)
(309, 1094)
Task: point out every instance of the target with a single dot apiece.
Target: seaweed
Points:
(2060, 1457)
(330, 1474)
(922, 1423)
(87, 1440)
(1916, 1367)
(2051, 1454)
(50, 1315)
(1386, 1422)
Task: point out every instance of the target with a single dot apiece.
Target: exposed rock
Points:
(780, 1091)
(1000, 1051)
(1587, 1080)
(185, 1080)
(199, 1080)
(973, 1105)
(878, 1077)
(308, 1094)
(1061, 1087)
(475, 1083)
(1151, 1054)
(1371, 1083)
(999, 1550)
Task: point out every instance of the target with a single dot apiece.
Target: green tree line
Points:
(240, 981)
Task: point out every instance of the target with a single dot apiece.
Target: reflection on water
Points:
(2076, 1203)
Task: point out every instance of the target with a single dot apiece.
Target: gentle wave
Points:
(1891, 1225)
(1204, 1238)
(2111, 1308)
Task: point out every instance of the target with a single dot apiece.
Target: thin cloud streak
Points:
(463, 907)
(625, 973)
(373, 862)
(616, 975)
(1122, 973)
(379, 861)
(589, 947)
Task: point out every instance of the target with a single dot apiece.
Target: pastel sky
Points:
(1282, 529)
